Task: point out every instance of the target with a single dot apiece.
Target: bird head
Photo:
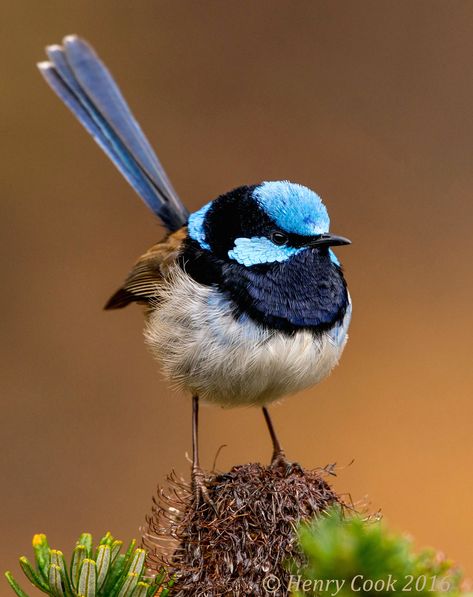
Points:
(262, 224)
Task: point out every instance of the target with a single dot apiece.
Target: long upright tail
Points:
(77, 75)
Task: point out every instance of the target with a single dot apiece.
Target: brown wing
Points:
(140, 285)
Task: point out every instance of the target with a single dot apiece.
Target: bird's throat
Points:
(307, 291)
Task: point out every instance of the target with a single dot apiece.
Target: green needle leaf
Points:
(78, 556)
(141, 589)
(128, 558)
(14, 585)
(86, 540)
(103, 562)
(55, 581)
(158, 579)
(108, 573)
(57, 558)
(138, 561)
(129, 585)
(87, 583)
(130, 549)
(41, 553)
(133, 571)
(116, 570)
(152, 590)
(116, 547)
(32, 575)
(107, 539)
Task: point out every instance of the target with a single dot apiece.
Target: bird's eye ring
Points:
(279, 238)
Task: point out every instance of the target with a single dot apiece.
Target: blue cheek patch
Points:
(195, 226)
(259, 249)
(333, 257)
(293, 207)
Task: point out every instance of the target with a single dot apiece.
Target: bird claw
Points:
(280, 462)
(200, 490)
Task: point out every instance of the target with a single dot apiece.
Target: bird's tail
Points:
(83, 83)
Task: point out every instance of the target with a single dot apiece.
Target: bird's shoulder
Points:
(148, 271)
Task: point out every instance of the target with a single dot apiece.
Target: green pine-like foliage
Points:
(340, 553)
(351, 550)
(100, 571)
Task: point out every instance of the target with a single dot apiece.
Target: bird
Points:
(245, 301)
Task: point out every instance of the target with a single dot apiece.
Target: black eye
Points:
(279, 238)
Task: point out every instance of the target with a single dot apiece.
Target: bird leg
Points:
(278, 459)
(199, 488)
(278, 452)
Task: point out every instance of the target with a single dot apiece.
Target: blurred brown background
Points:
(368, 102)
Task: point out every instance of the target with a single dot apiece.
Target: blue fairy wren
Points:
(245, 301)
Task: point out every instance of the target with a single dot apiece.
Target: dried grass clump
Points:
(250, 534)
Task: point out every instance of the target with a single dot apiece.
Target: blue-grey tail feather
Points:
(82, 82)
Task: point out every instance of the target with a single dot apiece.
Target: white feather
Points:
(232, 361)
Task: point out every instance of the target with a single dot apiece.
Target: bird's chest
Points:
(228, 358)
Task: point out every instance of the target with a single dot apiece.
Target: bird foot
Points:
(280, 462)
(199, 488)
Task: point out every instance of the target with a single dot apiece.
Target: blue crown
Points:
(293, 207)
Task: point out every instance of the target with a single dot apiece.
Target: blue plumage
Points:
(83, 83)
(195, 225)
(259, 249)
(293, 207)
(334, 258)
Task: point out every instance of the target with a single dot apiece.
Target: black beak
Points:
(328, 240)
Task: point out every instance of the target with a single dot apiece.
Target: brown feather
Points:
(141, 284)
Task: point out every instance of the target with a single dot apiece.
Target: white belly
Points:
(233, 362)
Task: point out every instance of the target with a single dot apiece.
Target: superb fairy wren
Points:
(245, 300)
